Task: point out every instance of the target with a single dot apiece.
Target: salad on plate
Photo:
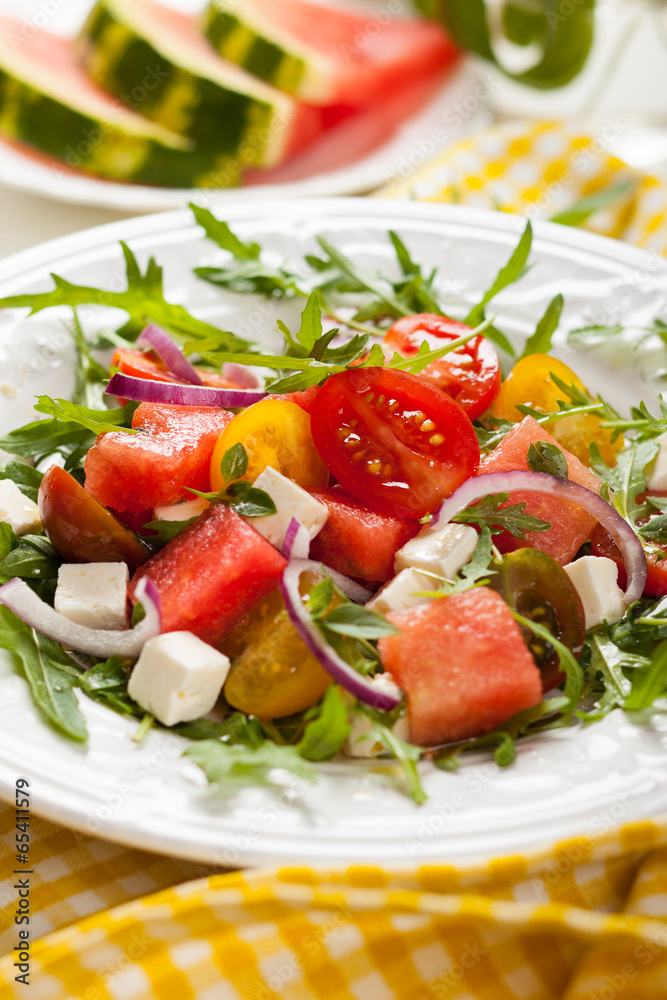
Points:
(394, 540)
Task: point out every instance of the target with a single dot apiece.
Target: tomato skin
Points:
(602, 544)
(531, 384)
(80, 528)
(146, 364)
(305, 399)
(392, 440)
(470, 375)
(275, 432)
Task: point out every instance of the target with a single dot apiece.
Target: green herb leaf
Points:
(234, 766)
(490, 512)
(651, 684)
(96, 421)
(477, 571)
(327, 727)
(32, 558)
(587, 206)
(310, 330)
(46, 437)
(511, 272)
(51, 686)
(26, 477)
(407, 755)
(546, 457)
(357, 622)
(220, 233)
(574, 677)
(156, 534)
(237, 728)
(628, 478)
(247, 501)
(540, 341)
(234, 464)
(320, 597)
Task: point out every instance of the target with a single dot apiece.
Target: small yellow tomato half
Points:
(274, 432)
(273, 674)
(530, 382)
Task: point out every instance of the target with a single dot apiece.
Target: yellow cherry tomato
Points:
(273, 674)
(274, 432)
(531, 384)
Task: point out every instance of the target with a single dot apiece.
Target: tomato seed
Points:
(427, 426)
(436, 439)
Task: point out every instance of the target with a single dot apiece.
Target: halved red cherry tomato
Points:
(393, 440)
(146, 364)
(470, 375)
(80, 528)
(602, 544)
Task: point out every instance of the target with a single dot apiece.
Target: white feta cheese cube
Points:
(402, 592)
(656, 471)
(438, 548)
(596, 581)
(362, 741)
(19, 512)
(291, 501)
(178, 677)
(181, 511)
(93, 594)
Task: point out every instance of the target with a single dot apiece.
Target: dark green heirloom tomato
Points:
(536, 586)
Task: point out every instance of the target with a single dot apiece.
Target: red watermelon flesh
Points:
(212, 574)
(359, 56)
(571, 526)
(463, 665)
(137, 472)
(357, 541)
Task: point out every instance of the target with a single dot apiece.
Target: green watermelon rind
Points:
(87, 142)
(243, 127)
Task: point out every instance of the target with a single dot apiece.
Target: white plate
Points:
(563, 783)
(435, 126)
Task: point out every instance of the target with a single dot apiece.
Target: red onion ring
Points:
(342, 672)
(173, 357)
(296, 546)
(561, 489)
(145, 390)
(31, 609)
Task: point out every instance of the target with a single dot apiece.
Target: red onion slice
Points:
(342, 672)
(173, 357)
(297, 545)
(145, 390)
(561, 489)
(26, 605)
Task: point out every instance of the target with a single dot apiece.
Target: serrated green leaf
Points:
(490, 511)
(96, 421)
(234, 766)
(511, 272)
(540, 341)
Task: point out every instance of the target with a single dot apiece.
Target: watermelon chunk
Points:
(212, 574)
(154, 56)
(570, 526)
(326, 55)
(137, 472)
(48, 104)
(356, 540)
(463, 665)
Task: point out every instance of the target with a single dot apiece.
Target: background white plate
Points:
(567, 782)
(413, 138)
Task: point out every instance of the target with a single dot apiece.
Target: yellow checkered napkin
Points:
(540, 171)
(586, 920)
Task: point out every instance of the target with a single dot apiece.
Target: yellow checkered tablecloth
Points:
(584, 920)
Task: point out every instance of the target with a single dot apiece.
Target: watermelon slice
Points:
(48, 103)
(212, 574)
(138, 472)
(463, 665)
(570, 526)
(357, 541)
(326, 55)
(154, 58)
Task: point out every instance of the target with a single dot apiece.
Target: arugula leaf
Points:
(320, 597)
(476, 572)
(143, 301)
(362, 279)
(107, 683)
(608, 660)
(234, 766)
(26, 477)
(32, 557)
(490, 512)
(42, 663)
(357, 622)
(642, 423)
(96, 421)
(582, 210)
(236, 728)
(310, 330)
(627, 479)
(511, 272)
(540, 341)
(407, 755)
(656, 529)
(90, 375)
(220, 233)
(327, 727)
(46, 437)
(574, 677)
(651, 684)
(546, 457)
